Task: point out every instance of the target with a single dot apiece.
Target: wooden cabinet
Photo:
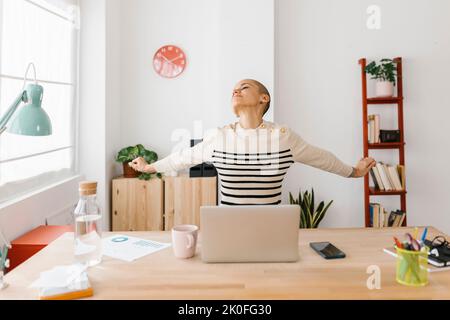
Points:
(183, 197)
(159, 204)
(137, 205)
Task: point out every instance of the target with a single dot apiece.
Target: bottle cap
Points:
(87, 188)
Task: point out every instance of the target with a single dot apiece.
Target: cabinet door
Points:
(184, 196)
(137, 205)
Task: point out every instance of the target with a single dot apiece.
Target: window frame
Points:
(74, 110)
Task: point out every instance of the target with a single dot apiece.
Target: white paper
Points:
(59, 276)
(82, 283)
(130, 248)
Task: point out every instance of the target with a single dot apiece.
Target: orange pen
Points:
(398, 243)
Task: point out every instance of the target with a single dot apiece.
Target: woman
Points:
(252, 156)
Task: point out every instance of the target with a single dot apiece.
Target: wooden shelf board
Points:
(387, 100)
(374, 192)
(386, 145)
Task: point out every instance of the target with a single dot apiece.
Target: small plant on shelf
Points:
(385, 73)
(128, 154)
(310, 217)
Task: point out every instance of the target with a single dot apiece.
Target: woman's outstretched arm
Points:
(322, 159)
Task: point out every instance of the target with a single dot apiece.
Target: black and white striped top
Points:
(252, 163)
(251, 178)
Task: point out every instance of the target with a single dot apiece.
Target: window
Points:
(44, 32)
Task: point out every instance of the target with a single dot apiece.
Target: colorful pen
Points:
(398, 243)
(424, 234)
(416, 232)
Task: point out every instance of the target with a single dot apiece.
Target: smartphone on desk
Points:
(327, 250)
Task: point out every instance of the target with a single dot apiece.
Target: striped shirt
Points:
(252, 163)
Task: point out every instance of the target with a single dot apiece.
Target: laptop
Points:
(255, 233)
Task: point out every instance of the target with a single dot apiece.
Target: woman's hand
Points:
(139, 164)
(363, 167)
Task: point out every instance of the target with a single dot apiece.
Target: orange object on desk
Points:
(32, 242)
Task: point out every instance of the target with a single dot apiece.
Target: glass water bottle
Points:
(88, 219)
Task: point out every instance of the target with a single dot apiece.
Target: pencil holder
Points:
(412, 267)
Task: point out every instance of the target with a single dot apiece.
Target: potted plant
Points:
(128, 154)
(310, 217)
(385, 74)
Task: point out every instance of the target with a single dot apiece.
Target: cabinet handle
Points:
(115, 213)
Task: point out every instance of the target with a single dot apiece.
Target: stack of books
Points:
(387, 177)
(380, 218)
(374, 128)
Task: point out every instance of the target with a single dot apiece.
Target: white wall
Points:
(318, 93)
(113, 125)
(100, 125)
(93, 113)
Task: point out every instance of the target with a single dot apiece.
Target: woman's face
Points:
(245, 94)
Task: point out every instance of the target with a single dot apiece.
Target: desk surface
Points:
(162, 276)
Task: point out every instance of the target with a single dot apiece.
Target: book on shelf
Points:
(373, 128)
(384, 178)
(401, 173)
(381, 218)
(376, 178)
(388, 177)
(393, 173)
(377, 128)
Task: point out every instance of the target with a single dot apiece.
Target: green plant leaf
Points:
(324, 210)
(132, 152)
(318, 213)
(310, 217)
(386, 70)
(302, 220)
(291, 199)
(150, 156)
(307, 209)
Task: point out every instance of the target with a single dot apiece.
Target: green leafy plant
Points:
(385, 71)
(130, 153)
(310, 217)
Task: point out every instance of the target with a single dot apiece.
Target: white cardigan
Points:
(252, 163)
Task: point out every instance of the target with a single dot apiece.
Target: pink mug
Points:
(184, 240)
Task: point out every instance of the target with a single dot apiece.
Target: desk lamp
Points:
(31, 120)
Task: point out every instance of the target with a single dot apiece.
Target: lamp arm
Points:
(3, 254)
(9, 113)
(4, 240)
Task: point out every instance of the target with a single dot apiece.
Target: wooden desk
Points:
(162, 276)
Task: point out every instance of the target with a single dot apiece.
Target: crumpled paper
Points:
(60, 276)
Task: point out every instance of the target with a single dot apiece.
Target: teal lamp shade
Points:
(32, 120)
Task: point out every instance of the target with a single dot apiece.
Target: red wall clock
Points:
(169, 61)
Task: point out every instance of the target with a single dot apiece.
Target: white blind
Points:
(44, 32)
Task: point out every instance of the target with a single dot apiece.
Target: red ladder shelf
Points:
(398, 100)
